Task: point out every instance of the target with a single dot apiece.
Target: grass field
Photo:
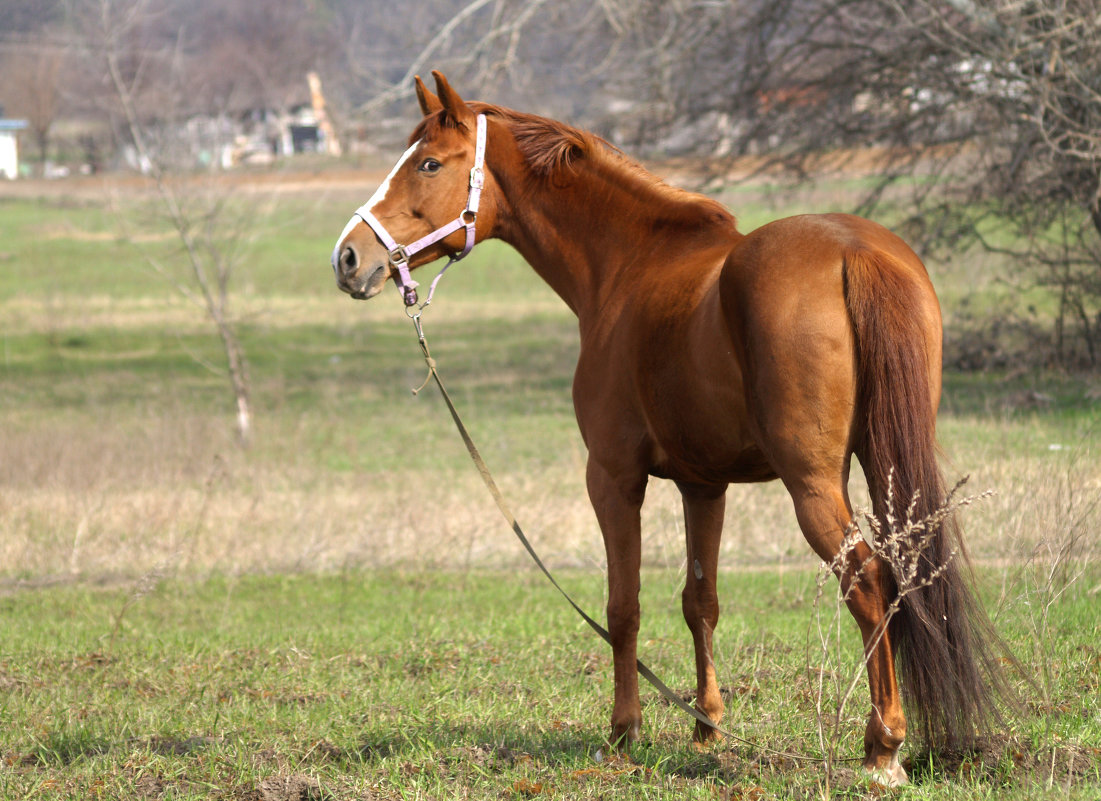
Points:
(444, 685)
(338, 611)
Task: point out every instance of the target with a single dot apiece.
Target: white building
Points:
(9, 147)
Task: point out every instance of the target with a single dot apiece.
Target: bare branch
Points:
(404, 87)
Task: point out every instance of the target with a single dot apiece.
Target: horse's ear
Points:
(453, 105)
(430, 104)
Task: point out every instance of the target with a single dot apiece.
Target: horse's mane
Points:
(547, 145)
(550, 147)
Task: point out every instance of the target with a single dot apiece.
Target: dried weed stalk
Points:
(903, 544)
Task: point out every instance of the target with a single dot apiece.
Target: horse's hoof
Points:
(705, 736)
(623, 735)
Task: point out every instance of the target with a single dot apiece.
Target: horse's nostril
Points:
(349, 260)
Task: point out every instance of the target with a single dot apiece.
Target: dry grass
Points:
(122, 498)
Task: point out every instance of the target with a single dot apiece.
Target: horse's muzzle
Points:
(361, 289)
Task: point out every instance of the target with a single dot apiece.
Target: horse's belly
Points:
(746, 466)
(705, 437)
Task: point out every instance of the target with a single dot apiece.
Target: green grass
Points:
(439, 685)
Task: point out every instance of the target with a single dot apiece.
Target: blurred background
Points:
(987, 114)
(181, 386)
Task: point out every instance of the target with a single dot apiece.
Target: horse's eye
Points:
(430, 166)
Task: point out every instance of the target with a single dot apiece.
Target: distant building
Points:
(9, 146)
(246, 137)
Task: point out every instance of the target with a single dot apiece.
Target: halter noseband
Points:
(399, 255)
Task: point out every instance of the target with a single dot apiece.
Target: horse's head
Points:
(429, 205)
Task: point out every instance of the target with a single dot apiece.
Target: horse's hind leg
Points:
(703, 520)
(789, 315)
(824, 516)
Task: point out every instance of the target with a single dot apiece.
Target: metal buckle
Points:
(477, 178)
(398, 256)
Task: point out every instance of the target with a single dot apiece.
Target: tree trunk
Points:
(238, 376)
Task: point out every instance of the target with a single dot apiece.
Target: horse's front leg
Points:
(703, 521)
(617, 501)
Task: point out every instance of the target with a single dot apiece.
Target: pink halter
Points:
(400, 254)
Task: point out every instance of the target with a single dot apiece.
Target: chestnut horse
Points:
(707, 357)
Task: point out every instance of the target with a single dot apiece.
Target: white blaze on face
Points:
(376, 198)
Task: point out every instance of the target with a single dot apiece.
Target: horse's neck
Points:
(583, 234)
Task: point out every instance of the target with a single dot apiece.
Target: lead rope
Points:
(491, 485)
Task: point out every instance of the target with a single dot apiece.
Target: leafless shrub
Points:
(901, 543)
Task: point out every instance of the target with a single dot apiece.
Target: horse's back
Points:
(791, 276)
(809, 246)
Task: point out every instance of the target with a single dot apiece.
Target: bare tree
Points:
(247, 55)
(517, 51)
(1011, 93)
(144, 86)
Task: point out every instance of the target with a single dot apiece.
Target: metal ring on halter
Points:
(398, 256)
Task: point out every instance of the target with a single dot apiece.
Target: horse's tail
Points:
(944, 644)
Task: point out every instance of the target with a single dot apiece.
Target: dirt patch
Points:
(172, 746)
(686, 172)
(149, 785)
(295, 787)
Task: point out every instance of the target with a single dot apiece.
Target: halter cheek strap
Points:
(400, 255)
